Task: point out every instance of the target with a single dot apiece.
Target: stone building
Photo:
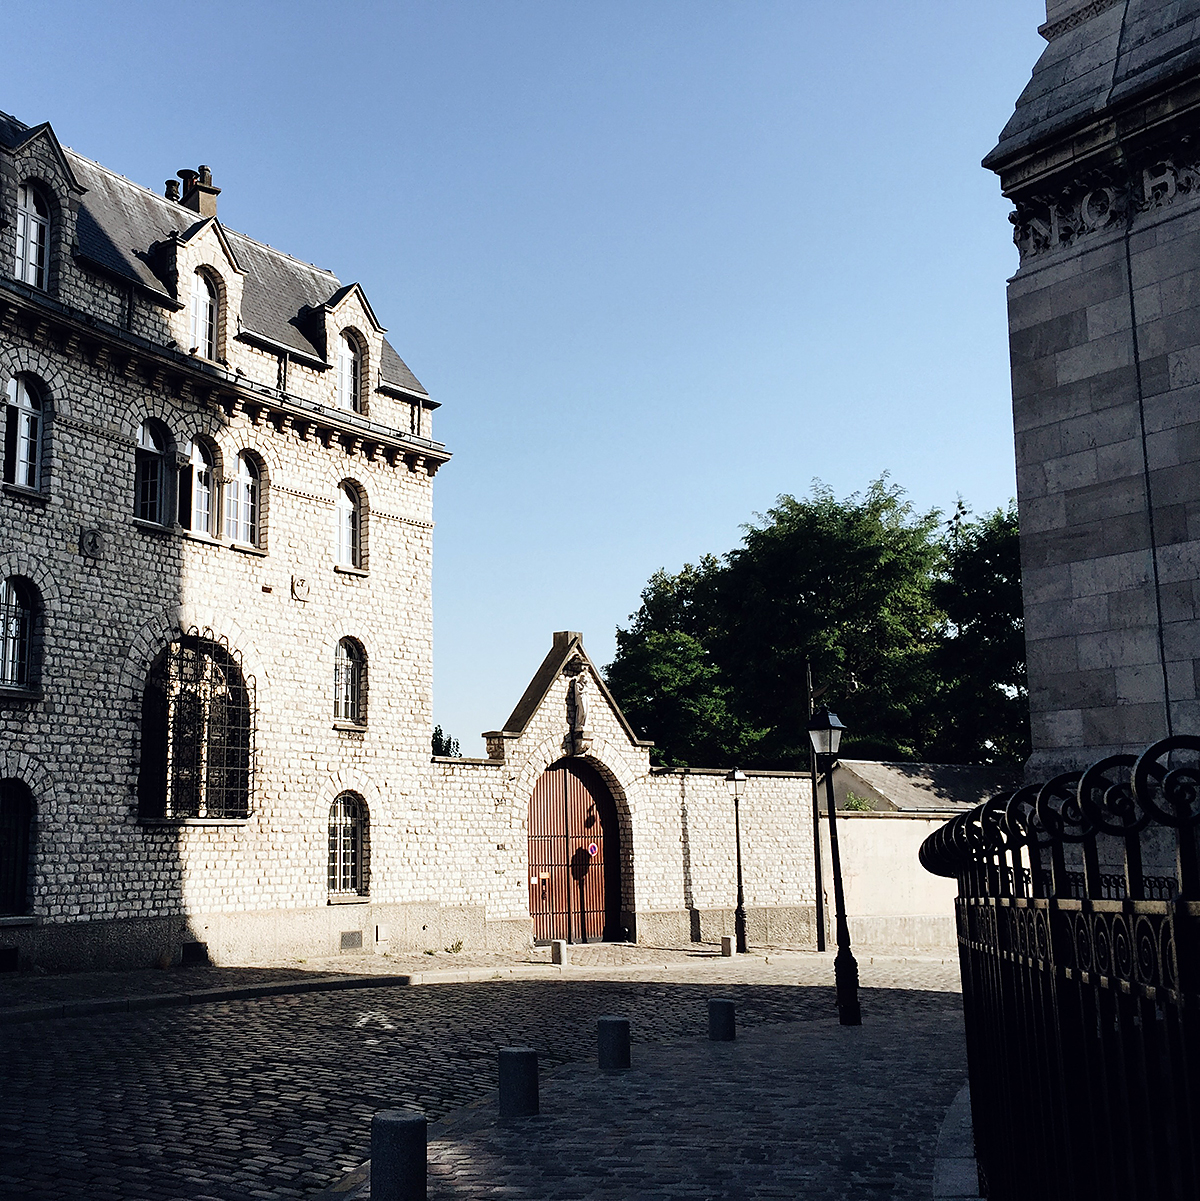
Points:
(216, 633)
(1102, 162)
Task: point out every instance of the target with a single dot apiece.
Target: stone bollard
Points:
(726, 945)
(518, 1082)
(722, 1020)
(559, 952)
(398, 1163)
(612, 1043)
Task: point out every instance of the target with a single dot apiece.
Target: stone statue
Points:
(580, 692)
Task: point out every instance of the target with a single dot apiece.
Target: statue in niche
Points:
(579, 692)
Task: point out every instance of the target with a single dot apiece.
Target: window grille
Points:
(33, 237)
(16, 634)
(242, 503)
(350, 682)
(204, 316)
(349, 375)
(23, 434)
(16, 819)
(150, 474)
(349, 527)
(198, 720)
(347, 845)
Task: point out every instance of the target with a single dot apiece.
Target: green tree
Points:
(712, 666)
(445, 745)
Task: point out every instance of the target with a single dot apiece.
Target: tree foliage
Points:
(913, 631)
(444, 745)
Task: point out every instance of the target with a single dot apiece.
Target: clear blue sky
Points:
(660, 260)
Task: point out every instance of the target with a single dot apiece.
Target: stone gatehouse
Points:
(216, 640)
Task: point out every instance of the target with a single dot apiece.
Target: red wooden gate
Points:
(574, 892)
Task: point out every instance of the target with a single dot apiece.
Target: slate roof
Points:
(931, 787)
(1106, 60)
(120, 222)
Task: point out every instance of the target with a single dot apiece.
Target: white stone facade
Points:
(105, 340)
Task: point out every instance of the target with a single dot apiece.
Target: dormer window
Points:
(204, 316)
(33, 237)
(349, 379)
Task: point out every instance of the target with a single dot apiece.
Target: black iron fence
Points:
(1078, 918)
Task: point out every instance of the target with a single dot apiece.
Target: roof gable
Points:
(211, 224)
(45, 134)
(343, 295)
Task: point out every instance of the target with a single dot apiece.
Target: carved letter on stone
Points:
(1159, 183)
(1098, 208)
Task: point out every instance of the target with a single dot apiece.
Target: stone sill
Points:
(157, 822)
(351, 727)
(27, 695)
(20, 919)
(154, 527)
(349, 899)
(246, 549)
(197, 536)
(345, 569)
(33, 495)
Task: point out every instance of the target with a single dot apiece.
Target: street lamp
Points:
(825, 733)
(736, 783)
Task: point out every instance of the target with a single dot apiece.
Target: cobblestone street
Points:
(272, 1096)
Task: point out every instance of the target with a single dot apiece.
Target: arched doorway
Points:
(574, 856)
(16, 817)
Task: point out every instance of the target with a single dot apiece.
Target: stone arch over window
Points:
(198, 727)
(33, 235)
(199, 494)
(20, 633)
(152, 477)
(246, 501)
(351, 370)
(350, 682)
(350, 536)
(204, 314)
(348, 861)
(25, 432)
(16, 847)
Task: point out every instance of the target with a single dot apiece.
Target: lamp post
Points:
(736, 783)
(825, 733)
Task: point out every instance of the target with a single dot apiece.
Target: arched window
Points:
(350, 682)
(151, 474)
(23, 433)
(242, 498)
(33, 237)
(196, 491)
(349, 526)
(348, 845)
(204, 316)
(197, 733)
(349, 380)
(16, 820)
(17, 611)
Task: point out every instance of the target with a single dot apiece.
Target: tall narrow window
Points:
(350, 682)
(16, 820)
(242, 502)
(347, 845)
(33, 236)
(349, 526)
(204, 316)
(197, 733)
(196, 491)
(150, 474)
(16, 634)
(349, 375)
(23, 430)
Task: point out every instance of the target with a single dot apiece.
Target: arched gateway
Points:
(574, 856)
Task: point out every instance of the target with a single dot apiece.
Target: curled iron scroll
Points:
(1106, 797)
(1171, 791)
(1023, 818)
(1058, 808)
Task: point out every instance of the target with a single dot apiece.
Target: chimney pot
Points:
(172, 192)
(199, 194)
(205, 176)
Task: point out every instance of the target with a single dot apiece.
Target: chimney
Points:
(199, 195)
(172, 192)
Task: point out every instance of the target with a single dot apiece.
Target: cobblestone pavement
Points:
(272, 1097)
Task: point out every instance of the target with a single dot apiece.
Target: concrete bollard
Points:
(559, 952)
(726, 945)
(398, 1155)
(518, 1082)
(722, 1020)
(612, 1043)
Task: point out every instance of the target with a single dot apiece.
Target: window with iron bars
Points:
(16, 634)
(350, 683)
(347, 845)
(197, 733)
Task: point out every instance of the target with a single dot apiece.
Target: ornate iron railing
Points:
(1078, 923)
